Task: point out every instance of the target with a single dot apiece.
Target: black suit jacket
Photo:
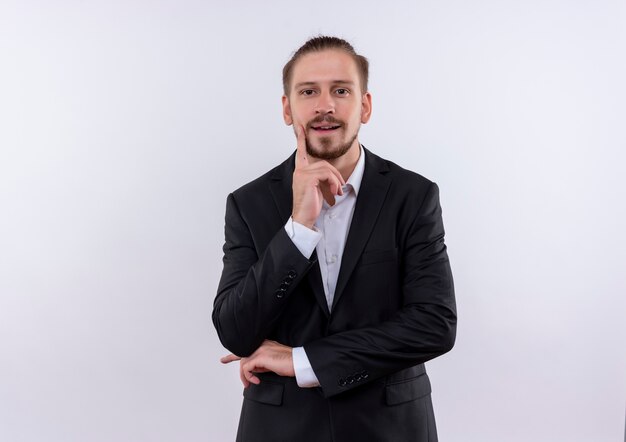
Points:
(393, 310)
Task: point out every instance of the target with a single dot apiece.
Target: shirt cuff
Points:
(303, 238)
(305, 377)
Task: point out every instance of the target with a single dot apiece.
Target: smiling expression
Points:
(326, 99)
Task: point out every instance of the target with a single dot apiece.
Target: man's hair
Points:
(322, 43)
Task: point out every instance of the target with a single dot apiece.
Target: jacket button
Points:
(292, 274)
(280, 293)
(284, 284)
(342, 382)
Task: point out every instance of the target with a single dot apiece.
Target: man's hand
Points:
(312, 183)
(270, 356)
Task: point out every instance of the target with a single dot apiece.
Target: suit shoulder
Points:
(410, 195)
(259, 186)
(406, 178)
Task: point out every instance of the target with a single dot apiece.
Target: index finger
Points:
(301, 155)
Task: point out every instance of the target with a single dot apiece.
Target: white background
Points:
(124, 125)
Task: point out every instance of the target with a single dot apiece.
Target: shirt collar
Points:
(356, 177)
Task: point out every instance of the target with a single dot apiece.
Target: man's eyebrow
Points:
(314, 83)
(347, 82)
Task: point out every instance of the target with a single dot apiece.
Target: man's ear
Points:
(287, 111)
(366, 107)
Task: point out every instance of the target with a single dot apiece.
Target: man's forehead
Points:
(329, 63)
(328, 66)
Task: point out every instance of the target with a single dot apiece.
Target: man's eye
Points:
(307, 92)
(342, 91)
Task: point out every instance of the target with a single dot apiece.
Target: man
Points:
(336, 285)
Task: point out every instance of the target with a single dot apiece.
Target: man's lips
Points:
(325, 127)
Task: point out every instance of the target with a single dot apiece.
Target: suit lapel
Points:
(370, 199)
(280, 187)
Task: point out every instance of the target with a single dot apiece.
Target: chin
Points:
(325, 151)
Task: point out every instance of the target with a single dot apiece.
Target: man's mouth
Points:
(325, 127)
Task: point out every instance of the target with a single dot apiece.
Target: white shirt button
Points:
(332, 259)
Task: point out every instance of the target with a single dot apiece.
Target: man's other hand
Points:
(270, 356)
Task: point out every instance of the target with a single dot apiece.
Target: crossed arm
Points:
(270, 356)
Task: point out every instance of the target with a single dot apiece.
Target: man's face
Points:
(326, 99)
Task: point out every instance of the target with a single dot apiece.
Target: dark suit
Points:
(393, 310)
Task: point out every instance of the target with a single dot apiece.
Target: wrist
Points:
(303, 221)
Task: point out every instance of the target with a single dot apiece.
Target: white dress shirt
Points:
(328, 238)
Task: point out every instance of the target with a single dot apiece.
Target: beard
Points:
(326, 149)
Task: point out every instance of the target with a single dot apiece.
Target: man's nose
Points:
(325, 104)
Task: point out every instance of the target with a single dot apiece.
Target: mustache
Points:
(324, 119)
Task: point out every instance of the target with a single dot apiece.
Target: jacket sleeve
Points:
(253, 289)
(422, 329)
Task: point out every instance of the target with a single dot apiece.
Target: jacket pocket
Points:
(407, 390)
(266, 392)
